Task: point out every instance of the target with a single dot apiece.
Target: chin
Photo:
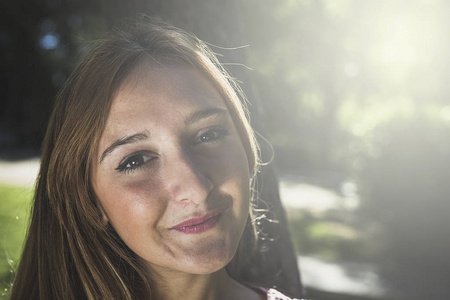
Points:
(210, 267)
(209, 260)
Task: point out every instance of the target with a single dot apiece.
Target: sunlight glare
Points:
(399, 44)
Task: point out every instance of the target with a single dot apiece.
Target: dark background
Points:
(353, 96)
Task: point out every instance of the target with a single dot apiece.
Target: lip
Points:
(199, 225)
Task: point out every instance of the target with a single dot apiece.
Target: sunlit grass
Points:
(14, 208)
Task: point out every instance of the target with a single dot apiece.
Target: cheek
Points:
(231, 164)
(232, 177)
(130, 206)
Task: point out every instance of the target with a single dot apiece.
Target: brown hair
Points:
(69, 251)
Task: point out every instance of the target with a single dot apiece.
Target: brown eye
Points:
(134, 162)
(211, 135)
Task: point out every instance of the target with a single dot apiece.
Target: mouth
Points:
(199, 225)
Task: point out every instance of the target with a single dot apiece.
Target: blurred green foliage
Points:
(14, 208)
(330, 73)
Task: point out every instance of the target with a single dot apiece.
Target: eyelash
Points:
(127, 167)
(219, 131)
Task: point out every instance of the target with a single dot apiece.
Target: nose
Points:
(186, 180)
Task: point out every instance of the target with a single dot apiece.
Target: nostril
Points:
(200, 187)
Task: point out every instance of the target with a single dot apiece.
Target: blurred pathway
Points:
(19, 173)
(349, 278)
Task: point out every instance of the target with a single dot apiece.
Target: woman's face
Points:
(172, 176)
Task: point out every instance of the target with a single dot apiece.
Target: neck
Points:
(215, 286)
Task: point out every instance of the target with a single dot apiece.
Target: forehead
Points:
(159, 95)
(165, 81)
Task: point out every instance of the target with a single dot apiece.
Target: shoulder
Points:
(273, 294)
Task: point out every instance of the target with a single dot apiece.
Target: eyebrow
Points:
(203, 114)
(195, 117)
(123, 141)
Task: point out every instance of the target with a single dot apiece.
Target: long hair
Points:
(69, 252)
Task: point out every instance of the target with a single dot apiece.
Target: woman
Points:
(144, 186)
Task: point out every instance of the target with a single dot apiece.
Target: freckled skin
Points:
(184, 179)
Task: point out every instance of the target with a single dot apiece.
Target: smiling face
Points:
(172, 176)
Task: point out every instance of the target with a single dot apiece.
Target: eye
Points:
(211, 135)
(134, 162)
